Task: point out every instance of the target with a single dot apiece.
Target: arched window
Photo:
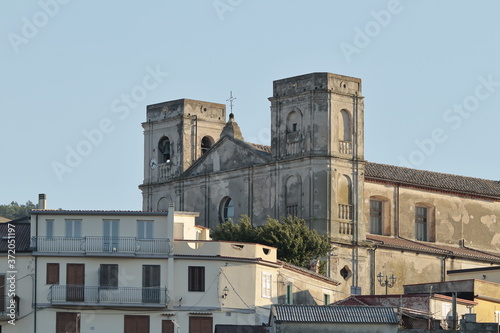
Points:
(293, 128)
(345, 126)
(345, 133)
(293, 122)
(206, 144)
(226, 209)
(164, 150)
(345, 198)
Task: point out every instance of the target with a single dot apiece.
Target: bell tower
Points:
(317, 125)
(176, 134)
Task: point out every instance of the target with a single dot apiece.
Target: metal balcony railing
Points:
(96, 244)
(107, 296)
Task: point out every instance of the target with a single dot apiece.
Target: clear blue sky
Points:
(430, 72)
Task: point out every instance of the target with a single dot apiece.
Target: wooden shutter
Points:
(200, 324)
(52, 273)
(136, 324)
(67, 322)
(196, 278)
(167, 326)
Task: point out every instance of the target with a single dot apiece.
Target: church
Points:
(413, 224)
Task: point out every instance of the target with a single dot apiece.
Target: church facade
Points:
(411, 223)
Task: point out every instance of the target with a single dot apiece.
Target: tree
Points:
(296, 243)
(15, 211)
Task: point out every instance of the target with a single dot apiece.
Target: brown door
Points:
(200, 324)
(136, 324)
(67, 322)
(75, 281)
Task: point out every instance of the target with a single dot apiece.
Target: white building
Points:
(123, 271)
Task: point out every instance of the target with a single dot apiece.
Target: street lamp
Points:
(388, 283)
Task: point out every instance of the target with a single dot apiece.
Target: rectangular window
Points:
(376, 217)
(421, 224)
(326, 299)
(73, 228)
(108, 276)
(144, 229)
(196, 278)
(67, 322)
(49, 228)
(52, 273)
(267, 279)
(136, 324)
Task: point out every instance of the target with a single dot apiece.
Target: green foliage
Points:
(296, 243)
(15, 211)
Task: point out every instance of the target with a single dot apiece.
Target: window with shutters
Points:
(67, 322)
(267, 279)
(108, 276)
(200, 324)
(196, 278)
(52, 273)
(136, 324)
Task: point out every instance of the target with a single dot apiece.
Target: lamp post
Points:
(389, 281)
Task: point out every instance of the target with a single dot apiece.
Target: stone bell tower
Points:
(176, 134)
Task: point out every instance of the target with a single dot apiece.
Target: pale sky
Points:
(76, 77)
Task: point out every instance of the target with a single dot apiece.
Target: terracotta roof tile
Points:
(434, 180)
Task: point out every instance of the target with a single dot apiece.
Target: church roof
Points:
(433, 180)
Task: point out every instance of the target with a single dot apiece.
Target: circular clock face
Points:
(152, 163)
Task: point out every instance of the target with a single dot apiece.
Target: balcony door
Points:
(75, 282)
(151, 283)
(110, 233)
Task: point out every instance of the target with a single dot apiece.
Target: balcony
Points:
(152, 297)
(104, 245)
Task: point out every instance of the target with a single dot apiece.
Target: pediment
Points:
(228, 154)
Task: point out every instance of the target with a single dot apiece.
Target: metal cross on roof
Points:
(231, 99)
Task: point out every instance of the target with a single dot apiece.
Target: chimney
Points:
(42, 201)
